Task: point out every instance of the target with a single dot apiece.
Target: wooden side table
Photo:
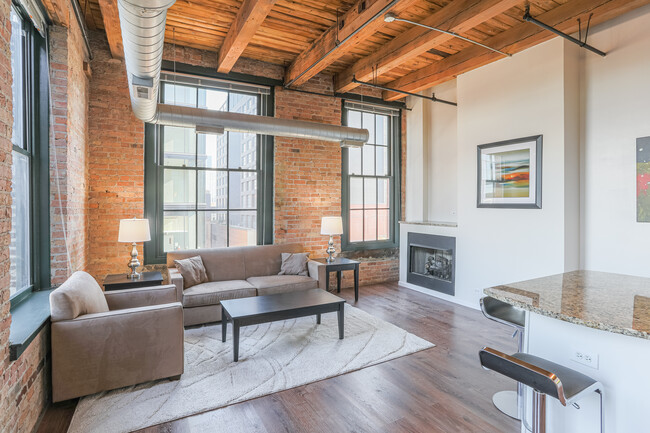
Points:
(341, 264)
(122, 281)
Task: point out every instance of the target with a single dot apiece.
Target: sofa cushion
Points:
(221, 264)
(79, 295)
(214, 292)
(192, 270)
(273, 284)
(294, 264)
(267, 259)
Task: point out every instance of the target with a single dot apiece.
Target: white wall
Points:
(616, 111)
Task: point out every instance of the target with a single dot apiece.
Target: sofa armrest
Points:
(102, 351)
(176, 279)
(140, 297)
(317, 271)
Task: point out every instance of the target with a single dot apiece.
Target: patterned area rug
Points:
(272, 357)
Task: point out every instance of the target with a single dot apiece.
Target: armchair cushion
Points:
(140, 297)
(79, 295)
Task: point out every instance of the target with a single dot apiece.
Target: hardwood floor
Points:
(442, 389)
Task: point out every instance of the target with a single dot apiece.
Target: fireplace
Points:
(431, 262)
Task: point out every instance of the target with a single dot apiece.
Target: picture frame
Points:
(509, 174)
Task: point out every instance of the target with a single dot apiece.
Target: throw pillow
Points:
(294, 264)
(192, 270)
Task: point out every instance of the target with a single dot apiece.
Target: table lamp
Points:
(134, 230)
(331, 226)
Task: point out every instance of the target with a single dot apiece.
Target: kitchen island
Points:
(599, 324)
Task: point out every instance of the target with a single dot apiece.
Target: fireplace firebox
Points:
(431, 262)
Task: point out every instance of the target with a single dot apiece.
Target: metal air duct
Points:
(143, 36)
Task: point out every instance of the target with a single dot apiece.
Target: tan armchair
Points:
(102, 341)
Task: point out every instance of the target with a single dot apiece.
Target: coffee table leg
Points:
(338, 281)
(356, 283)
(340, 314)
(235, 340)
(318, 319)
(224, 324)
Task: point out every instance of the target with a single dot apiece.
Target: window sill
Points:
(28, 317)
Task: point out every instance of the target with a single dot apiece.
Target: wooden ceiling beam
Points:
(250, 17)
(518, 38)
(458, 16)
(111, 20)
(59, 11)
(327, 48)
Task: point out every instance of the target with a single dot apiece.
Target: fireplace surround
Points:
(432, 262)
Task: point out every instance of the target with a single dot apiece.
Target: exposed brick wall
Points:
(115, 162)
(68, 152)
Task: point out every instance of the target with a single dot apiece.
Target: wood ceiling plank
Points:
(459, 16)
(250, 17)
(58, 11)
(324, 50)
(514, 40)
(111, 20)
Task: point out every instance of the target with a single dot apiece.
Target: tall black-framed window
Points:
(29, 237)
(371, 179)
(207, 190)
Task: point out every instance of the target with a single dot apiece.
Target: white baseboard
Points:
(439, 295)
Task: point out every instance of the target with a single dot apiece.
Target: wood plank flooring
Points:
(442, 389)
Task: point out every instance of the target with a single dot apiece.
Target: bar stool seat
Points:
(510, 403)
(545, 378)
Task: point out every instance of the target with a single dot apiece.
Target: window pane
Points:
(368, 160)
(243, 228)
(370, 225)
(179, 189)
(382, 161)
(212, 188)
(240, 103)
(354, 160)
(211, 150)
(383, 224)
(212, 229)
(369, 124)
(176, 94)
(356, 193)
(213, 99)
(242, 149)
(17, 86)
(370, 193)
(179, 146)
(242, 193)
(356, 225)
(381, 136)
(383, 193)
(354, 119)
(19, 249)
(179, 231)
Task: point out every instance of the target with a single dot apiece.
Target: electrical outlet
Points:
(589, 359)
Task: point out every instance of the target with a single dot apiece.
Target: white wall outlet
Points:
(589, 359)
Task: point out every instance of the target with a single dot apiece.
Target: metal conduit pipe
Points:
(143, 37)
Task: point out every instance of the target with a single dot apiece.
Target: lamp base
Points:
(330, 250)
(134, 263)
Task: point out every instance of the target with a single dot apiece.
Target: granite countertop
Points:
(611, 302)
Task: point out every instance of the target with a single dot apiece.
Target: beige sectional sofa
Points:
(238, 272)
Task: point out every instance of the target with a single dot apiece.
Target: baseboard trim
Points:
(439, 295)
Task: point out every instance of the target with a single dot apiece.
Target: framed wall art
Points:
(510, 174)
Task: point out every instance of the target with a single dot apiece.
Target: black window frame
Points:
(154, 173)
(36, 138)
(395, 163)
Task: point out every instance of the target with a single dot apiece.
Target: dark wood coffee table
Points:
(272, 308)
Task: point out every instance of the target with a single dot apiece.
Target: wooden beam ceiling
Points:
(518, 38)
(458, 16)
(112, 27)
(59, 11)
(250, 17)
(327, 49)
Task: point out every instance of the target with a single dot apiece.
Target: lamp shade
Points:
(134, 230)
(331, 226)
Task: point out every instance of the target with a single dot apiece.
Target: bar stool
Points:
(509, 402)
(545, 378)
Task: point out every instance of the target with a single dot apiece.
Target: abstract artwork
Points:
(643, 179)
(510, 173)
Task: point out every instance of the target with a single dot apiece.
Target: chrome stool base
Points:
(507, 402)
